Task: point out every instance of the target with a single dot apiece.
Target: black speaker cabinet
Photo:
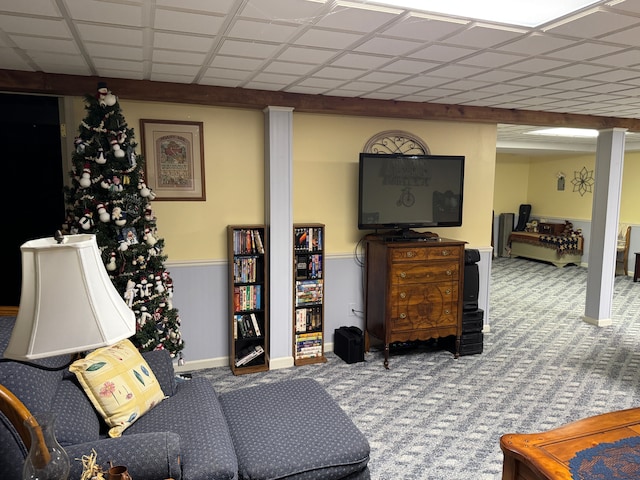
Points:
(471, 287)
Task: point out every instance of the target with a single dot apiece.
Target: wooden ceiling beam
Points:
(145, 90)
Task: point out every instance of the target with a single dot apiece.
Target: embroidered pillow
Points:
(119, 383)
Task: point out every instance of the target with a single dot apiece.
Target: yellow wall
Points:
(325, 171)
(538, 177)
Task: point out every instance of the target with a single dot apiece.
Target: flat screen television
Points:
(401, 192)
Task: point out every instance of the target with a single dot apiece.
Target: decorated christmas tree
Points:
(108, 197)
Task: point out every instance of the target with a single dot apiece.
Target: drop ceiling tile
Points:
(100, 50)
(275, 78)
(584, 51)
(616, 75)
(490, 59)
(349, 17)
(314, 37)
(426, 81)
(179, 70)
(442, 53)
(496, 76)
(624, 59)
(109, 35)
(44, 59)
(418, 27)
(383, 77)
(338, 73)
(307, 55)
(34, 26)
(628, 36)
(236, 63)
(226, 73)
(339, 92)
(409, 66)
(105, 12)
(51, 65)
(466, 85)
(364, 87)
(220, 82)
(118, 64)
(169, 77)
(616, 88)
(187, 43)
(593, 25)
(535, 44)
(11, 60)
(482, 37)
(359, 61)
(320, 83)
(579, 70)
(170, 56)
(501, 88)
(207, 6)
(248, 49)
(536, 80)
(187, 22)
(53, 45)
(281, 10)
(456, 71)
(266, 32)
(289, 68)
(387, 46)
(536, 65)
(32, 8)
(572, 84)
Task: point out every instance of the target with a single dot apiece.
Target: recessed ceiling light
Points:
(526, 13)
(566, 132)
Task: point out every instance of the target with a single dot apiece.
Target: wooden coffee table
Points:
(546, 455)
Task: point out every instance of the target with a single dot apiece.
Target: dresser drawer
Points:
(418, 307)
(408, 273)
(422, 252)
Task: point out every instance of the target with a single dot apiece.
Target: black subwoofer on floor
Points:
(471, 285)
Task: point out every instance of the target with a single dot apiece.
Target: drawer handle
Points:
(449, 272)
(448, 291)
(403, 295)
(447, 312)
(445, 253)
(403, 275)
(411, 254)
(403, 316)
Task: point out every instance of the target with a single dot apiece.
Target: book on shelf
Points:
(308, 238)
(247, 297)
(245, 269)
(308, 292)
(247, 241)
(308, 319)
(246, 356)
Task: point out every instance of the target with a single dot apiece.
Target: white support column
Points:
(278, 178)
(604, 227)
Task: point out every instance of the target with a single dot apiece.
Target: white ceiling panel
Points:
(587, 63)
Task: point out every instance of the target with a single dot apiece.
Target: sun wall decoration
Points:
(582, 181)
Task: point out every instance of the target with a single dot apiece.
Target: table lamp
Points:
(68, 305)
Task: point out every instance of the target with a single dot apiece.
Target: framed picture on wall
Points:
(174, 157)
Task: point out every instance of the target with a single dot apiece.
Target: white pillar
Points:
(278, 178)
(604, 226)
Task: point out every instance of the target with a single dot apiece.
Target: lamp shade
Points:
(68, 304)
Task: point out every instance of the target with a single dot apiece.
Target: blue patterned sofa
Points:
(255, 433)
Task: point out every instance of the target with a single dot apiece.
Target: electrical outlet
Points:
(352, 309)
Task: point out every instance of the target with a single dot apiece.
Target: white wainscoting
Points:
(201, 296)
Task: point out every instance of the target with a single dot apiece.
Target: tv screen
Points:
(402, 192)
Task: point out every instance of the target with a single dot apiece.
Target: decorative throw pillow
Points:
(119, 383)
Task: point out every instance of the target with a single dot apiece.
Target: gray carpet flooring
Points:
(431, 416)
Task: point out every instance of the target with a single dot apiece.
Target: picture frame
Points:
(174, 159)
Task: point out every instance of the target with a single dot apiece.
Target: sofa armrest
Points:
(147, 456)
(161, 365)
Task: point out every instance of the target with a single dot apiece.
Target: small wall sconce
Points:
(560, 176)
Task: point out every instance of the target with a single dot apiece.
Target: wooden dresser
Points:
(413, 290)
